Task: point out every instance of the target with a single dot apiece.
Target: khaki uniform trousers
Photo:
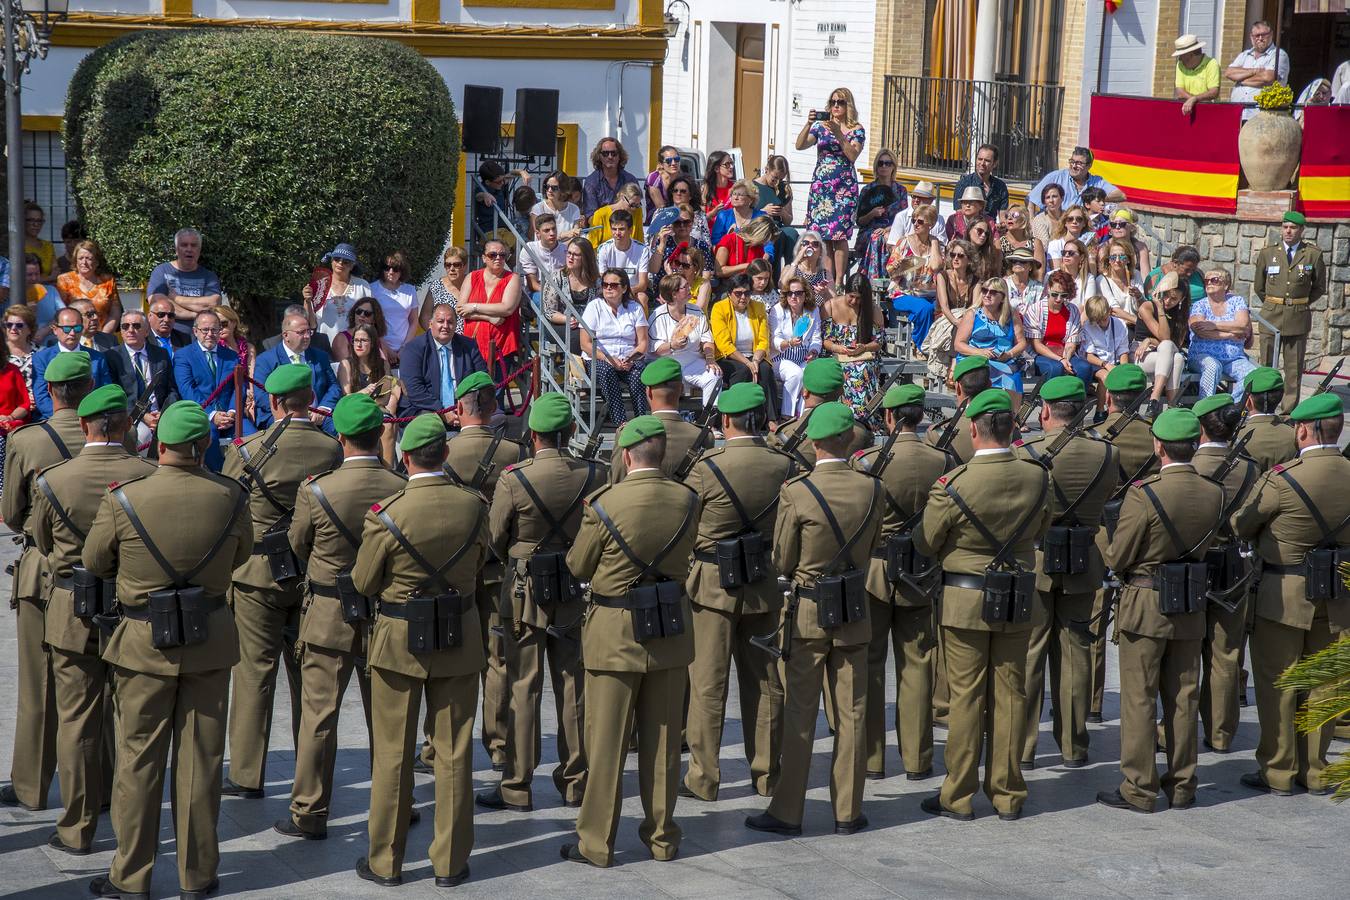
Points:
(496, 686)
(155, 713)
(720, 637)
(268, 622)
(654, 703)
(1221, 673)
(1098, 654)
(986, 673)
(451, 707)
(813, 663)
(84, 749)
(1293, 350)
(324, 675)
(1286, 757)
(942, 696)
(1151, 668)
(34, 763)
(908, 630)
(525, 656)
(1066, 653)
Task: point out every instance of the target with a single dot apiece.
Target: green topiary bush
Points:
(275, 144)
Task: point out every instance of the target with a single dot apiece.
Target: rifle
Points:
(791, 444)
(1128, 415)
(1230, 459)
(765, 642)
(944, 443)
(1325, 384)
(1071, 430)
(1028, 404)
(592, 448)
(253, 467)
(142, 405)
(873, 403)
(887, 452)
(704, 432)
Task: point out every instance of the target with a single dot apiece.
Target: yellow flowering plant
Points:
(1275, 96)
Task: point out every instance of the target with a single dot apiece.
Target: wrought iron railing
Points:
(936, 123)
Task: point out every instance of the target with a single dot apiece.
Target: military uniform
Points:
(680, 436)
(29, 450)
(266, 613)
(1272, 441)
(444, 522)
(80, 674)
(172, 697)
(901, 616)
(1288, 283)
(330, 649)
(726, 618)
(805, 453)
(626, 680)
(518, 528)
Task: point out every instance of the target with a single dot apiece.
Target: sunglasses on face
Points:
(684, 264)
(1215, 279)
(391, 267)
(726, 165)
(1014, 217)
(885, 162)
(609, 152)
(454, 264)
(684, 223)
(550, 187)
(612, 285)
(364, 312)
(675, 192)
(956, 256)
(796, 293)
(1070, 253)
(670, 160)
(132, 326)
(838, 101)
(161, 315)
(15, 326)
(1118, 257)
(343, 262)
(1058, 295)
(71, 329)
(1120, 224)
(740, 293)
(495, 254)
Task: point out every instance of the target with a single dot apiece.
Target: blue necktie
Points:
(447, 380)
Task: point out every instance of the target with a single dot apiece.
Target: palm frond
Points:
(1322, 709)
(1337, 775)
(1325, 668)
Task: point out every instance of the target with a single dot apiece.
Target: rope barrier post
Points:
(239, 372)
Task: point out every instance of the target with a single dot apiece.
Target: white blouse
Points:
(782, 328)
(615, 332)
(663, 325)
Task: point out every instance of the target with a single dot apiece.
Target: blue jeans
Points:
(1050, 367)
(1211, 369)
(919, 311)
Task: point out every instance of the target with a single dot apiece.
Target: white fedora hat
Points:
(1187, 43)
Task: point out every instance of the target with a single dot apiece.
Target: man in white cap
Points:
(970, 210)
(1261, 64)
(1197, 74)
(923, 194)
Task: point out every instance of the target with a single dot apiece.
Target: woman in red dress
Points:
(491, 311)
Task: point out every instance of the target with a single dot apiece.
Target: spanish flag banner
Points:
(1159, 157)
(1324, 169)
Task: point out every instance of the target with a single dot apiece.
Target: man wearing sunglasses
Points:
(162, 332)
(69, 326)
(294, 347)
(601, 186)
(91, 338)
(138, 363)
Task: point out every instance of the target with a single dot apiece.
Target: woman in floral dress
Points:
(852, 326)
(833, 201)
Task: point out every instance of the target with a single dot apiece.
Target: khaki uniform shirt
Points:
(28, 451)
(1272, 440)
(680, 436)
(805, 453)
(466, 451)
(1295, 284)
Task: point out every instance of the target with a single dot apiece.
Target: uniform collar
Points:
(1174, 468)
(991, 454)
(427, 479)
(821, 461)
(1320, 450)
(547, 454)
(1213, 445)
(362, 462)
(644, 474)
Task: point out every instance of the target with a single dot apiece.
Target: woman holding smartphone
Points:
(833, 201)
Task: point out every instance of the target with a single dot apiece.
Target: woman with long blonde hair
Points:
(833, 201)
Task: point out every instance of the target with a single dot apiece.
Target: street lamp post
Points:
(28, 28)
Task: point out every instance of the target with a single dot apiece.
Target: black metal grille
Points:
(44, 181)
(935, 123)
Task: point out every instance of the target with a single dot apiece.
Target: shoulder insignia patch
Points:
(238, 441)
(112, 485)
(942, 479)
(1278, 467)
(1019, 442)
(374, 507)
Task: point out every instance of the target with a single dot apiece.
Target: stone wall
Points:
(1232, 244)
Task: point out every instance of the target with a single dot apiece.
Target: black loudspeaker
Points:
(536, 122)
(482, 121)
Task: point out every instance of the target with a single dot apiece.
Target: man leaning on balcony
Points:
(1197, 74)
(1260, 65)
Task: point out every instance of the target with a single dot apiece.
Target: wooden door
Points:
(748, 123)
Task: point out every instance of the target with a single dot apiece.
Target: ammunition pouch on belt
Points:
(1183, 587)
(741, 560)
(434, 622)
(903, 562)
(178, 616)
(354, 604)
(1321, 578)
(840, 599)
(93, 596)
(1066, 549)
(1008, 595)
(550, 579)
(656, 607)
(276, 547)
(1224, 565)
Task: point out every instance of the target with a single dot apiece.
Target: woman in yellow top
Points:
(740, 330)
(90, 280)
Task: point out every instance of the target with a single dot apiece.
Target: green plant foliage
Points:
(275, 144)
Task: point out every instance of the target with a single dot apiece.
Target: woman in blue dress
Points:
(994, 331)
(833, 201)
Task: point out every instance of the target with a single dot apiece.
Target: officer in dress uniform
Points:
(981, 523)
(901, 610)
(422, 553)
(1296, 518)
(325, 534)
(1069, 573)
(1290, 277)
(637, 642)
(535, 515)
(822, 382)
(829, 520)
(477, 457)
(69, 494)
(29, 450)
(172, 652)
(664, 387)
(738, 487)
(1167, 523)
(272, 464)
(1272, 441)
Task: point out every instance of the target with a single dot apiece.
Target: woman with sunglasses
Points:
(1072, 226)
(740, 329)
(365, 312)
(678, 328)
(811, 264)
(556, 201)
(660, 178)
(676, 236)
(1073, 262)
(1221, 328)
(794, 333)
(365, 371)
(1021, 274)
(878, 205)
(448, 288)
(1121, 227)
(1053, 326)
(398, 302)
(90, 280)
(955, 294)
(19, 328)
(1017, 234)
(985, 259)
(913, 265)
(1119, 281)
(833, 202)
(850, 325)
(717, 181)
(1162, 330)
(491, 311)
(994, 330)
(331, 296)
(618, 349)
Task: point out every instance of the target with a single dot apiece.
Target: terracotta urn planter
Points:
(1268, 147)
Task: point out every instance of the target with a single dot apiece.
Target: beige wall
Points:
(898, 48)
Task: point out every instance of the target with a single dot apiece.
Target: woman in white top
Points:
(810, 263)
(565, 212)
(330, 298)
(678, 328)
(1071, 226)
(1119, 282)
(620, 343)
(794, 339)
(1074, 260)
(398, 300)
(1021, 272)
(1121, 227)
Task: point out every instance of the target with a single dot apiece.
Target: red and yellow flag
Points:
(1324, 168)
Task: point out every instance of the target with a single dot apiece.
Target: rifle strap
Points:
(485, 464)
(747, 521)
(341, 527)
(1092, 486)
(255, 472)
(555, 524)
(845, 544)
(646, 567)
(984, 530)
(1328, 533)
(435, 574)
(56, 439)
(1171, 529)
(178, 580)
(1139, 473)
(60, 510)
(1241, 494)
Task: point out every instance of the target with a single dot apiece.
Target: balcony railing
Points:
(936, 123)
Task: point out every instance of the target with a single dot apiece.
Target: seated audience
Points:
(1105, 343)
(994, 330)
(296, 335)
(1053, 326)
(1221, 328)
(398, 301)
(794, 333)
(1161, 332)
(90, 280)
(446, 289)
(619, 347)
(851, 326)
(740, 329)
(434, 362)
(365, 371)
(678, 328)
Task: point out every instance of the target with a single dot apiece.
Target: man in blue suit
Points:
(294, 347)
(429, 386)
(67, 327)
(197, 369)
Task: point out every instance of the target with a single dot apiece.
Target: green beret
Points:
(1063, 387)
(902, 395)
(1296, 217)
(823, 376)
(474, 381)
(108, 399)
(1126, 377)
(828, 420)
(661, 370)
(989, 401)
(1176, 425)
(288, 379)
(1319, 406)
(1211, 403)
(183, 423)
(423, 430)
(740, 398)
(357, 414)
(68, 366)
(550, 412)
(1262, 379)
(969, 364)
(640, 429)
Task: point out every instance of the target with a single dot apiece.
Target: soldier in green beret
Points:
(1167, 522)
(822, 382)
(972, 377)
(663, 387)
(1290, 277)
(1296, 519)
(272, 464)
(28, 451)
(1272, 441)
(633, 548)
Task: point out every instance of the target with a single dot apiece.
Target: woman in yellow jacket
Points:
(740, 330)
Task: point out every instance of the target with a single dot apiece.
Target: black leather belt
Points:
(705, 556)
(962, 580)
(258, 550)
(807, 591)
(142, 613)
(28, 542)
(64, 582)
(1142, 580)
(323, 590)
(399, 610)
(611, 602)
(1271, 569)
